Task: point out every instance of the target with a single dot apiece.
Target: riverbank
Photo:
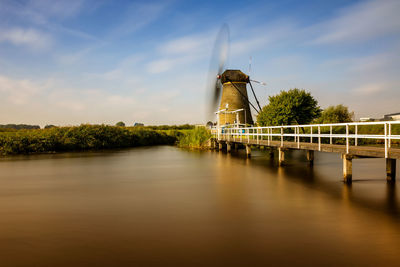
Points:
(81, 138)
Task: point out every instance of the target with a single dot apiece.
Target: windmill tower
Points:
(234, 97)
(228, 89)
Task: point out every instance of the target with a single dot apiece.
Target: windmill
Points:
(229, 99)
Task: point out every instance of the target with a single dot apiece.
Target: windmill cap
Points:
(234, 76)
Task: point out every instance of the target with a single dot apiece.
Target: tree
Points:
(335, 114)
(49, 126)
(289, 107)
(120, 124)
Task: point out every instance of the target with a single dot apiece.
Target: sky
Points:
(96, 61)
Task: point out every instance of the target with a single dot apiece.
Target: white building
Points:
(393, 116)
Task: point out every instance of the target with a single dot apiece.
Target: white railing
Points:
(245, 134)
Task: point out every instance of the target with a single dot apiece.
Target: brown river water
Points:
(164, 206)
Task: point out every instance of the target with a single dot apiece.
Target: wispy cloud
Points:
(40, 11)
(361, 22)
(181, 50)
(136, 17)
(30, 38)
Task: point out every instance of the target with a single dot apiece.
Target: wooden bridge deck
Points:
(356, 151)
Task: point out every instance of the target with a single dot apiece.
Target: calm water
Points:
(168, 207)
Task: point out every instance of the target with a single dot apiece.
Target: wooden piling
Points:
(390, 170)
(281, 156)
(248, 150)
(310, 157)
(347, 168)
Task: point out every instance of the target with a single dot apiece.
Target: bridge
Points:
(350, 140)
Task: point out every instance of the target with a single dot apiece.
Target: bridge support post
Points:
(220, 146)
(236, 146)
(310, 157)
(281, 156)
(228, 147)
(390, 170)
(347, 168)
(248, 150)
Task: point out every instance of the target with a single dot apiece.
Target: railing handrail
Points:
(257, 132)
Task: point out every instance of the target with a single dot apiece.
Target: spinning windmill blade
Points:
(217, 65)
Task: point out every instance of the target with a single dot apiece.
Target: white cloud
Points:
(19, 92)
(28, 37)
(188, 44)
(371, 88)
(361, 22)
(180, 51)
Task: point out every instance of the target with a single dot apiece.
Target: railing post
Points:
(330, 135)
(319, 138)
(281, 136)
(386, 141)
(356, 131)
(390, 135)
(347, 139)
(269, 135)
(311, 134)
(298, 137)
(257, 137)
(248, 135)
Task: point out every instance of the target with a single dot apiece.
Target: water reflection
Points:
(165, 206)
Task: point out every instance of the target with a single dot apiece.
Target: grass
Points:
(196, 138)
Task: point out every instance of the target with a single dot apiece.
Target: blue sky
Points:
(83, 61)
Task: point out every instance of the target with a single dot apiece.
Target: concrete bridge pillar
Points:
(347, 168)
(281, 156)
(310, 157)
(390, 170)
(248, 150)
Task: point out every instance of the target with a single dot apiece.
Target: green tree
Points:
(335, 114)
(289, 107)
(120, 124)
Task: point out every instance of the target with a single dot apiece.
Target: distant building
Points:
(137, 124)
(393, 116)
(367, 119)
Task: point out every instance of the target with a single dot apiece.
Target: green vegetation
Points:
(289, 107)
(77, 138)
(120, 124)
(335, 114)
(196, 138)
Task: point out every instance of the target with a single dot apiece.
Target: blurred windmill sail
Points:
(217, 65)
